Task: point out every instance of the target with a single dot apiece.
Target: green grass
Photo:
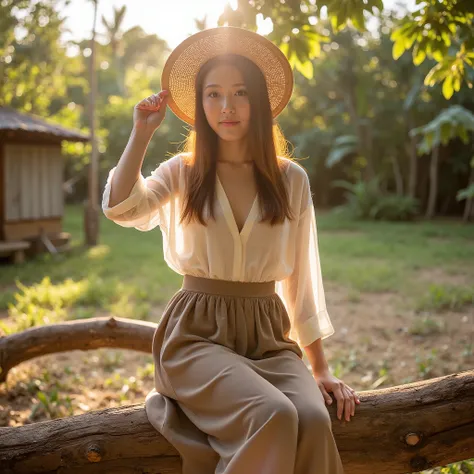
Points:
(452, 298)
(125, 255)
(126, 273)
(384, 256)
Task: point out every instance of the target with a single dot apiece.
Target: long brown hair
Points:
(266, 144)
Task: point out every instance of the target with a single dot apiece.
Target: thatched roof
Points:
(17, 125)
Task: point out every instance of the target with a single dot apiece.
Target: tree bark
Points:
(91, 211)
(397, 173)
(431, 208)
(364, 133)
(468, 209)
(401, 429)
(85, 334)
(412, 153)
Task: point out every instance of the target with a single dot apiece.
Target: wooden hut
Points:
(31, 183)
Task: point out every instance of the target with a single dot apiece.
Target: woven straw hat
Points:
(183, 64)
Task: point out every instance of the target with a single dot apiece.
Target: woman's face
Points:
(224, 98)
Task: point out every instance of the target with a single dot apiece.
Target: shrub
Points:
(365, 200)
(394, 207)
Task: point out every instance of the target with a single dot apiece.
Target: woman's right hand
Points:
(150, 112)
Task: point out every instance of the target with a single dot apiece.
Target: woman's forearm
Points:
(315, 354)
(129, 166)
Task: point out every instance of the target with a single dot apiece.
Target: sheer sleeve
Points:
(143, 208)
(302, 291)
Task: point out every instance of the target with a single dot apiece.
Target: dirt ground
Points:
(374, 346)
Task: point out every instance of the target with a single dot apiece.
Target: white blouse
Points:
(287, 252)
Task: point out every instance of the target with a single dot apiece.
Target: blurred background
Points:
(382, 119)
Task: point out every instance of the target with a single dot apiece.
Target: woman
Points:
(232, 392)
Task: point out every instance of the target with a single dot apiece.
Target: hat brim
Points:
(186, 59)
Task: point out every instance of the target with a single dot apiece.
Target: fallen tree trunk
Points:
(407, 428)
(87, 334)
(401, 429)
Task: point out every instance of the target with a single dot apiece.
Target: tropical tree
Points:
(444, 31)
(453, 122)
(468, 195)
(113, 35)
(91, 210)
(431, 30)
(31, 65)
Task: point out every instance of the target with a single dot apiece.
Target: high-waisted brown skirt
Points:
(232, 392)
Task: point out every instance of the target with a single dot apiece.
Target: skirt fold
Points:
(232, 392)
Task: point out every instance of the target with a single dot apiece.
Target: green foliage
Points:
(453, 122)
(47, 398)
(46, 302)
(360, 92)
(37, 76)
(343, 146)
(446, 298)
(432, 29)
(340, 12)
(393, 207)
(426, 364)
(299, 36)
(362, 196)
(443, 31)
(463, 467)
(126, 385)
(366, 201)
(426, 326)
(28, 84)
(466, 193)
(53, 404)
(355, 88)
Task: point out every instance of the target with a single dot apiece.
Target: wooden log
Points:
(84, 334)
(113, 440)
(400, 429)
(396, 430)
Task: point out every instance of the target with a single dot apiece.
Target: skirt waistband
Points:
(227, 287)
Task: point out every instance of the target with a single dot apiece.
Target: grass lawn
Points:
(396, 257)
(127, 272)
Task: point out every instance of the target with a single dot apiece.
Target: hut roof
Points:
(15, 124)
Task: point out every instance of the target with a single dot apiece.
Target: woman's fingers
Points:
(345, 396)
(147, 105)
(345, 402)
(339, 394)
(152, 102)
(350, 405)
(356, 398)
(326, 395)
(151, 110)
(144, 104)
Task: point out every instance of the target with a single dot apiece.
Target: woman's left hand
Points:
(345, 395)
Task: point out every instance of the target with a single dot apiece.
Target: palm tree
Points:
(114, 35)
(91, 217)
